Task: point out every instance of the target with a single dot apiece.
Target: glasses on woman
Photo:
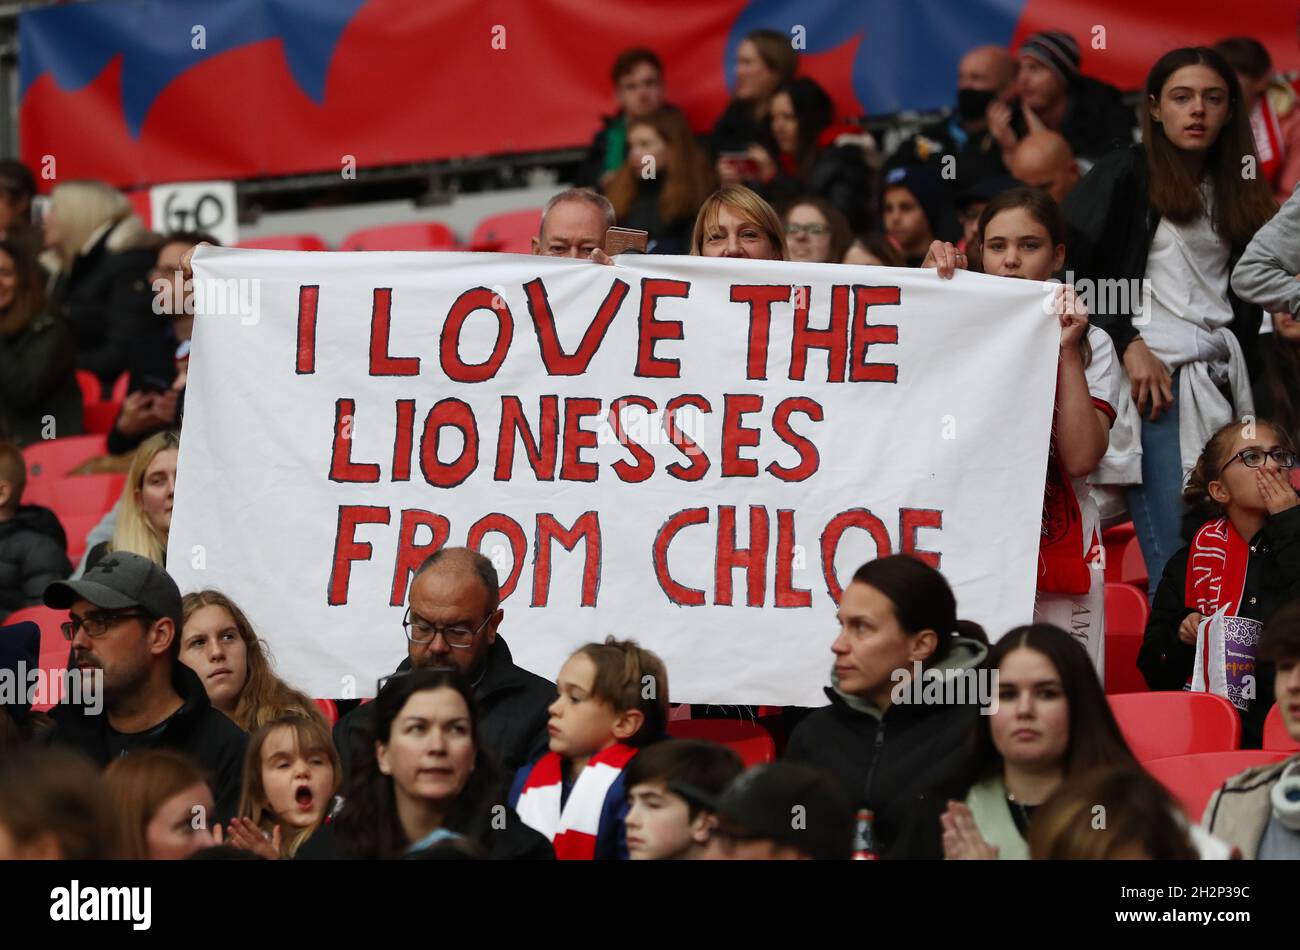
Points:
(812, 230)
(95, 625)
(460, 636)
(1254, 458)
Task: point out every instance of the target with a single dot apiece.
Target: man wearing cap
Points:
(124, 623)
(781, 811)
(1055, 96)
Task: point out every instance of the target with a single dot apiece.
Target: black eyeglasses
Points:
(95, 625)
(1254, 458)
(459, 636)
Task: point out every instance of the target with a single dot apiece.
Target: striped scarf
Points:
(572, 829)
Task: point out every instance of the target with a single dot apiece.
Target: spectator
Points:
(1043, 160)
(970, 205)
(1244, 557)
(914, 209)
(20, 653)
(736, 222)
(52, 807)
(291, 775)
(1277, 388)
(1175, 212)
(985, 76)
(1055, 97)
(663, 182)
(1258, 811)
(765, 60)
(814, 155)
(613, 700)
(669, 788)
(156, 386)
(454, 619)
(32, 542)
(219, 644)
(39, 395)
(895, 613)
(17, 189)
(816, 232)
(574, 223)
(163, 806)
(1142, 821)
(754, 816)
(1049, 726)
(1273, 109)
(638, 76)
(873, 249)
(100, 288)
(427, 774)
(124, 617)
(144, 512)
(1266, 272)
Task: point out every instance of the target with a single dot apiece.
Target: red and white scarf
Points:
(1062, 561)
(1216, 569)
(571, 830)
(1268, 138)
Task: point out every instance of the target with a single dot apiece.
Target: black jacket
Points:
(32, 555)
(1272, 579)
(977, 157)
(152, 368)
(511, 709)
(839, 174)
(197, 729)
(737, 129)
(1096, 118)
(1111, 228)
(887, 762)
(666, 237)
(37, 379)
(106, 299)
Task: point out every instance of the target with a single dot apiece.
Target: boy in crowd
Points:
(32, 542)
(613, 700)
(667, 787)
(782, 811)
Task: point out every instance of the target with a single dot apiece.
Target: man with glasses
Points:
(124, 623)
(452, 619)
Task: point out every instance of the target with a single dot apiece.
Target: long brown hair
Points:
(29, 289)
(1209, 466)
(1281, 374)
(264, 696)
(310, 736)
(841, 236)
(687, 179)
(138, 785)
(1241, 205)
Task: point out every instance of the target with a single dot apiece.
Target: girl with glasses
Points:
(1243, 557)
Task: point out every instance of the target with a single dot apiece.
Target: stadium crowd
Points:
(1177, 409)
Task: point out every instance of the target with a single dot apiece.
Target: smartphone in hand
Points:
(625, 241)
(743, 162)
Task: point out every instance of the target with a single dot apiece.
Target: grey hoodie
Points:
(1266, 273)
(963, 654)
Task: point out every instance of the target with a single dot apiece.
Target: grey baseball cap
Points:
(120, 580)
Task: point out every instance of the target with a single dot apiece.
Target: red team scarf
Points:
(571, 830)
(1216, 569)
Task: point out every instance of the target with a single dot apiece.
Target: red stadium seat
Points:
(1114, 541)
(91, 391)
(98, 417)
(285, 242)
(329, 709)
(120, 388)
(49, 462)
(1192, 779)
(1133, 568)
(1126, 621)
(413, 236)
(54, 648)
(751, 742)
(512, 232)
(1162, 724)
(1276, 738)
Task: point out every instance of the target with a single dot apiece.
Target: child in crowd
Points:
(666, 787)
(291, 774)
(162, 804)
(913, 207)
(1244, 559)
(52, 807)
(755, 820)
(613, 700)
(218, 642)
(32, 542)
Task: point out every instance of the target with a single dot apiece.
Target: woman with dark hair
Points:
(419, 775)
(1277, 387)
(815, 231)
(1169, 219)
(1048, 724)
(38, 356)
(764, 61)
(898, 630)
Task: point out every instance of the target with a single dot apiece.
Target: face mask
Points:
(971, 103)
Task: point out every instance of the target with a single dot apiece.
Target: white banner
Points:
(776, 425)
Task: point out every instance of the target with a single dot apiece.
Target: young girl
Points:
(1021, 233)
(291, 774)
(613, 699)
(1169, 220)
(162, 804)
(1245, 557)
(218, 642)
(1051, 724)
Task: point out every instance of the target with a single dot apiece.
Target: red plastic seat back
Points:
(49, 462)
(1126, 621)
(55, 650)
(1276, 738)
(751, 742)
(511, 232)
(285, 242)
(329, 709)
(91, 391)
(413, 236)
(1161, 724)
(1192, 779)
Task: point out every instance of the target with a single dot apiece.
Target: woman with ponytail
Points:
(898, 616)
(1244, 559)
